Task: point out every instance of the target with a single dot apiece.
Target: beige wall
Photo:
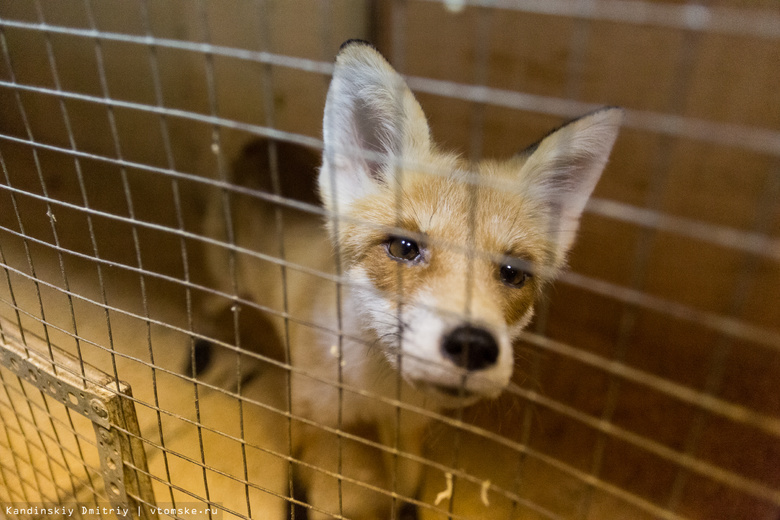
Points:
(306, 29)
(298, 28)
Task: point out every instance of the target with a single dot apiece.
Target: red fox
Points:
(439, 263)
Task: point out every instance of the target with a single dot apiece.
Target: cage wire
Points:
(135, 141)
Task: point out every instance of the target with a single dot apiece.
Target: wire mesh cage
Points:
(181, 335)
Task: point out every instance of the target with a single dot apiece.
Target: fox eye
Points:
(404, 249)
(513, 276)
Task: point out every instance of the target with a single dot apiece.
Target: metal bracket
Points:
(98, 397)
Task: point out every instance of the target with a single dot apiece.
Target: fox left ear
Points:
(564, 167)
(372, 120)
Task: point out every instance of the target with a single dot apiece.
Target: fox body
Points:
(441, 263)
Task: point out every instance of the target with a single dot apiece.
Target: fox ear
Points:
(372, 120)
(564, 167)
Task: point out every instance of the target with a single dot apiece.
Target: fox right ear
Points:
(372, 120)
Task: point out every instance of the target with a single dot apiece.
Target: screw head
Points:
(105, 435)
(99, 408)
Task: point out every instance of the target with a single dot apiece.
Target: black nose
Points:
(471, 348)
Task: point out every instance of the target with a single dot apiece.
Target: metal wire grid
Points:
(694, 18)
(17, 420)
(40, 432)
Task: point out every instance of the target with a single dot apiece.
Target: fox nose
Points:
(471, 348)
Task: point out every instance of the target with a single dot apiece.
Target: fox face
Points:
(445, 259)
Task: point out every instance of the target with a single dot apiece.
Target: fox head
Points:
(445, 259)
